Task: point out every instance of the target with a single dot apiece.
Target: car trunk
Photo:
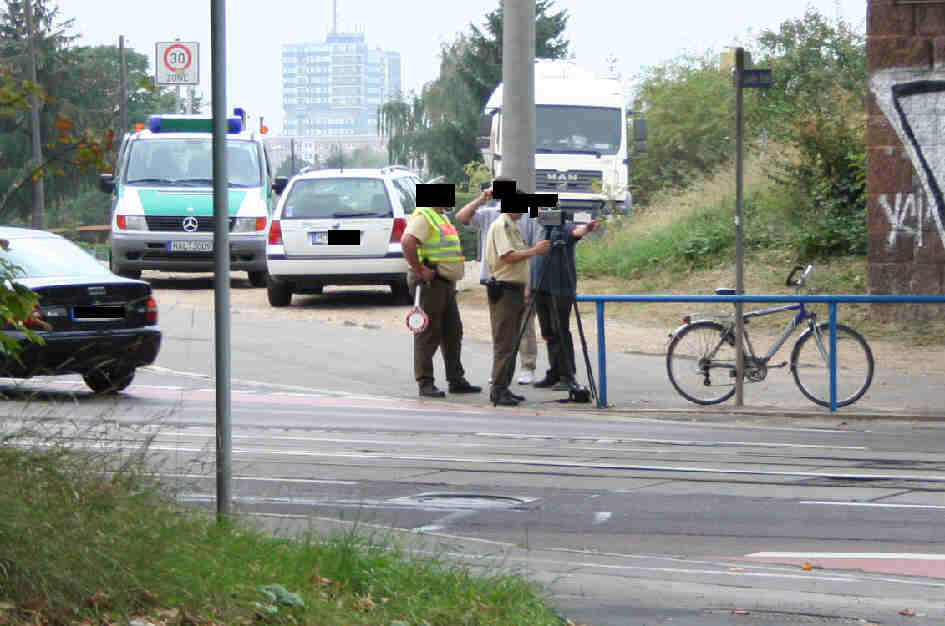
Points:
(336, 237)
(103, 305)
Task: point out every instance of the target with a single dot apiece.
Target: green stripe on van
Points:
(159, 202)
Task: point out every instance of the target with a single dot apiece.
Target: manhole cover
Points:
(461, 501)
(783, 617)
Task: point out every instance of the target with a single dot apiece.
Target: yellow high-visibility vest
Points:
(443, 244)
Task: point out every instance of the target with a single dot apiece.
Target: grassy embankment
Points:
(91, 539)
(684, 244)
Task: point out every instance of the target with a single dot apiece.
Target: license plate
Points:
(191, 246)
(582, 217)
(319, 238)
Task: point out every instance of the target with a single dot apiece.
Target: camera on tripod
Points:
(550, 218)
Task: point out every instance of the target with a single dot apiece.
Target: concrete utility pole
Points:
(122, 89)
(39, 194)
(518, 93)
(221, 253)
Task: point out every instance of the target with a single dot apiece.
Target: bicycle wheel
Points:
(700, 362)
(810, 365)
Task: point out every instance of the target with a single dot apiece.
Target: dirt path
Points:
(372, 308)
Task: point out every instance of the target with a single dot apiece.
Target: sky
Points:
(638, 33)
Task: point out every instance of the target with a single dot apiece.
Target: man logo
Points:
(190, 224)
(562, 176)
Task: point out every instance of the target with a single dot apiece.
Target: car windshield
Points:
(592, 130)
(326, 198)
(190, 162)
(43, 257)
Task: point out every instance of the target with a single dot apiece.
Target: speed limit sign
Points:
(176, 63)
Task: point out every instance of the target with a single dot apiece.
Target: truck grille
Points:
(572, 181)
(175, 223)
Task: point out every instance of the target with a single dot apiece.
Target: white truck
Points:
(581, 137)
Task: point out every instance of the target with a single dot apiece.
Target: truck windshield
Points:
(190, 162)
(577, 129)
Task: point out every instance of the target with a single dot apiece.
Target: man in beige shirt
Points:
(507, 256)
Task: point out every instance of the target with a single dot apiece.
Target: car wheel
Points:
(279, 294)
(109, 379)
(401, 292)
(115, 269)
(258, 279)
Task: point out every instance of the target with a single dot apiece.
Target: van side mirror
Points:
(106, 182)
(482, 143)
(279, 184)
(640, 135)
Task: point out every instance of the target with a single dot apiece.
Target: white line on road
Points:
(881, 505)
(847, 555)
(678, 442)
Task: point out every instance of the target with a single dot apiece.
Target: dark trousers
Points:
(444, 332)
(506, 317)
(554, 318)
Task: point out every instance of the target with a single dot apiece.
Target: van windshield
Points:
(577, 129)
(326, 198)
(190, 162)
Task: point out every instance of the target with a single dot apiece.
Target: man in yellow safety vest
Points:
(433, 251)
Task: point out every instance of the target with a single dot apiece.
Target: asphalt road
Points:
(653, 513)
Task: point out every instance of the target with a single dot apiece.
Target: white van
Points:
(162, 198)
(581, 137)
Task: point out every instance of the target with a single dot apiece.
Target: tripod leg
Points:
(587, 359)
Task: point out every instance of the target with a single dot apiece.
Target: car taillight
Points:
(260, 223)
(400, 225)
(122, 222)
(275, 233)
(152, 313)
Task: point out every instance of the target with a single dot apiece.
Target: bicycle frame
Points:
(803, 314)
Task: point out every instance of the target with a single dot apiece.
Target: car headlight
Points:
(132, 222)
(248, 224)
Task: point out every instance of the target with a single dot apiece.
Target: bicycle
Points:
(700, 359)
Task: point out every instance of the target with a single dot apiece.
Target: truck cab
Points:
(581, 138)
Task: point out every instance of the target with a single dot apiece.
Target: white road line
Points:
(680, 442)
(880, 505)
(847, 555)
(266, 479)
(601, 516)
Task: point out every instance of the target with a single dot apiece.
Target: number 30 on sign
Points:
(176, 63)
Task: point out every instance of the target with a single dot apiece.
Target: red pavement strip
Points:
(926, 565)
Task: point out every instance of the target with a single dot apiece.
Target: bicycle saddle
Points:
(724, 291)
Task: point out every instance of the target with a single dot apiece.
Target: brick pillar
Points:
(906, 152)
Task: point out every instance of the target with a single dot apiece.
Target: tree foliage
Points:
(441, 124)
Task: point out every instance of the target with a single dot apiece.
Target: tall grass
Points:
(92, 536)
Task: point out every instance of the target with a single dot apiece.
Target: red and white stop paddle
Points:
(417, 319)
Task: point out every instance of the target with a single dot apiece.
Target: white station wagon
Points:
(340, 227)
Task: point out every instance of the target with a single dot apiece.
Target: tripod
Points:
(558, 257)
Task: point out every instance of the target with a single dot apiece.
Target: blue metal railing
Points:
(832, 301)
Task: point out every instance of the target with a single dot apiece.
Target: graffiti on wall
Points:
(914, 103)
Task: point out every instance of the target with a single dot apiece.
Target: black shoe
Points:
(505, 398)
(547, 381)
(431, 391)
(518, 397)
(464, 387)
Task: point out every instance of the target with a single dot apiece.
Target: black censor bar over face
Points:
(510, 199)
(436, 195)
(514, 201)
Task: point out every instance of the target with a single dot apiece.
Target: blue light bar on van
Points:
(190, 124)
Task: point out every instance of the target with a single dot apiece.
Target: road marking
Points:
(848, 555)
(601, 516)
(881, 505)
(906, 564)
(678, 442)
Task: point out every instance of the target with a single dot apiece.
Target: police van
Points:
(162, 198)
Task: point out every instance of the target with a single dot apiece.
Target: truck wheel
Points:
(258, 279)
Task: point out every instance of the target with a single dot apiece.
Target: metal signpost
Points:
(177, 63)
(743, 78)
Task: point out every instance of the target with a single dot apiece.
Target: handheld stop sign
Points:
(417, 319)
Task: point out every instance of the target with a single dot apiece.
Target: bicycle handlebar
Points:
(805, 272)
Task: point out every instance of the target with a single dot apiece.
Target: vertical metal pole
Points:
(221, 248)
(39, 187)
(739, 228)
(292, 157)
(601, 357)
(518, 97)
(833, 356)
(122, 89)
